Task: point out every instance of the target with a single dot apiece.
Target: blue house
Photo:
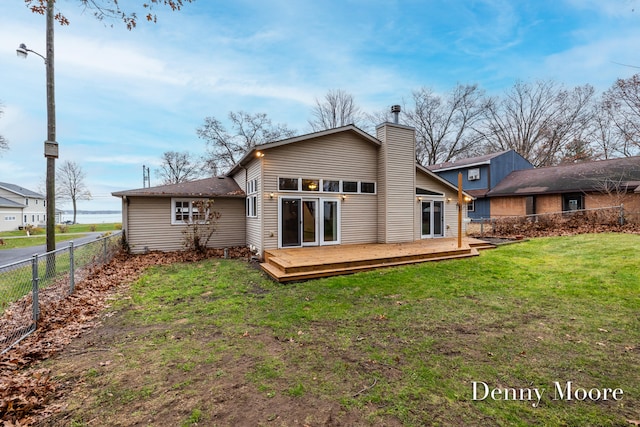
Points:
(480, 175)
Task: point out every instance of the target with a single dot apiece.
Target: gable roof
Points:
(220, 186)
(575, 177)
(20, 191)
(443, 181)
(6, 203)
(251, 154)
(471, 161)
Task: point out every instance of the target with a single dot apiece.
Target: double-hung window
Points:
(186, 211)
(252, 198)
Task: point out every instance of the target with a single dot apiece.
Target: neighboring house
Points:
(338, 186)
(480, 175)
(575, 186)
(20, 207)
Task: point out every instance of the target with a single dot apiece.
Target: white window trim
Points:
(475, 176)
(173, 210)
(252, 206)
(321, 186)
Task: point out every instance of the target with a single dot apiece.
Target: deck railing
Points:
(47, 277)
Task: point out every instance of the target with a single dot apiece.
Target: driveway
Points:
(9, 256)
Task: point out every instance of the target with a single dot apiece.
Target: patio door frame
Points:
(432, 218)
(318, 218)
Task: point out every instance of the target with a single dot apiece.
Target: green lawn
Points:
(75, 228)
(216, 343)
(25, 242)
(19, 239)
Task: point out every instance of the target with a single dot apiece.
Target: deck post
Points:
(459, 209)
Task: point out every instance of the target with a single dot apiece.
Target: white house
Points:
(20, 207)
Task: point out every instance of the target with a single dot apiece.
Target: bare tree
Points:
(537, 120)
(177, 167)
(111, 9)
(226, 147)
(605, 140)
(338, 108)
(622, 101)
(4, 144)
(445, 125)
(71, 184)
(200, 225)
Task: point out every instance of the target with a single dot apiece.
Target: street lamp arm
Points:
(22, 51)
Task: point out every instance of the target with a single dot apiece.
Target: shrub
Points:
(118, 226)
(93, 227)
(62, 228)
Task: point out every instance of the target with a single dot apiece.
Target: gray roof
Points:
(6, 203)
(220, 186)
(479, 160)
(21, 191)
(575, 177)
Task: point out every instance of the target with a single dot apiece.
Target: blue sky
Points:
(124, 97)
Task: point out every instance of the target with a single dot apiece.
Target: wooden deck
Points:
(322, 261)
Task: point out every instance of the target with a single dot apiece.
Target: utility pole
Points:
(50, 145)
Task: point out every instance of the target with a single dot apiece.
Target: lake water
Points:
(93, 218)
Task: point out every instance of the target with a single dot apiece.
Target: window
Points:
(26, 202)
(185, 211)
(252, 186)
(9, 218)
(471, 206)
(368, 187)
(310, 185)
(252, 206)
(288, 184)
(252, 198)
(350, 186)
(573, 202)
(329, 186)
(473, 174)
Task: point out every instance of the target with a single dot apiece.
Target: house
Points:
(480, 175)
(335, 187)
(575, 186)
(20, 207)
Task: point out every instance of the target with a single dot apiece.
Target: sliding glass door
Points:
(432, 224)
(309, 222)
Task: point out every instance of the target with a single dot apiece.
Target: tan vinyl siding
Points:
(149, 224)
(450, 208)
(254, 225)
(359, 219)
(342, 156)
(396, 164)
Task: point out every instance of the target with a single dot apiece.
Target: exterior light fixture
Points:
(449, 199)
(467, 199)
(344, 197)
(259, 154)
(419, 198)
(22, 51)
(271, 195)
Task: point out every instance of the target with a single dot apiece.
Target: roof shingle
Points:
(220, 186)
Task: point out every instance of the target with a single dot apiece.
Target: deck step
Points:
(321, 270)
(311, 265)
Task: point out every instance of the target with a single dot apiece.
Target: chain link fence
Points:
(538, 224)
(45, 278)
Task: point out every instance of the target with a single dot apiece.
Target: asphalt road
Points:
(9, 256)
